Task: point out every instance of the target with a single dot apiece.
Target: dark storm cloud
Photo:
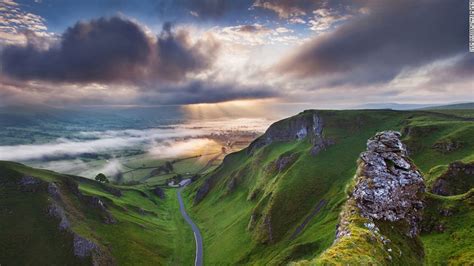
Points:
(107, 50)
(206, 92)
(457, 71)
(103, 49)
(393, 36)
(178, 56)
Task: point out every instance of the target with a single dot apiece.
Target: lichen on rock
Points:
(379, 223)
(388, 186)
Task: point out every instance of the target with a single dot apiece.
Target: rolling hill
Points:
(278, 201)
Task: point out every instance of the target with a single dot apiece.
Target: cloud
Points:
(212, 9)
(207, 91)
(458, 70)
(177, 55)
(294, 9)
(325, 18)
(110, 141)
(15, 24)
(377, 46)
(287, 8)
(110, 50)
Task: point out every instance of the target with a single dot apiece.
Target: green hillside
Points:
(55, 219)
(277, 201)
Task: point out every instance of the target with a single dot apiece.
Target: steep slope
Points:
(278, 200)
(54, 219)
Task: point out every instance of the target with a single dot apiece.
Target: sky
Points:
(321, 53)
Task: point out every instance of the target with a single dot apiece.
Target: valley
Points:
(277, 201)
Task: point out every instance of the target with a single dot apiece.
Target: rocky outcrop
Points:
(283, 162)
(56, 211)
(232, 184)
(83, 247)
(97, 203)
(305, 125)
(447, 145)
(388, 185)
(53, 191)
(203, 190)
(158, 191)
(31, 184)
(379, 223)
(458, 179)
(114, 191)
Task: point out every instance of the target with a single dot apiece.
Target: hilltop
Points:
(279, 200)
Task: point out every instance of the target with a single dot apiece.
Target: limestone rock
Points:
(83, 247)
(295, 128)
(388, 186)
(30, 184)
(202, 191)
(55, 210)
(458, 179)
(159, 192)
(53, 191)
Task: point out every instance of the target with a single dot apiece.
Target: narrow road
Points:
(197, 234)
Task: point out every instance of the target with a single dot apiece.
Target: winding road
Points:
(197, 234)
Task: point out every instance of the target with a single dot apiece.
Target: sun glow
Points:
(230, 109)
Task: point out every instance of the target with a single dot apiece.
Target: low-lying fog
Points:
(74, 154)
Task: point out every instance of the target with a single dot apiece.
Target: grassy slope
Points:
(288, 197)
(454, 243)
(160, 236)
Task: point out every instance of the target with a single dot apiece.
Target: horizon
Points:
(147, 53)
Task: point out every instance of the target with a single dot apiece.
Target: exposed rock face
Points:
(83, 247)
(31, 184)
(388, 186)
(53, 191)
(55, 210)
(202, 191)
(284, 161)
(159, 192)
(295, 128)
(114, 191)
(458, 179)
(447, 146)
(232, 184)
(97, 203)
